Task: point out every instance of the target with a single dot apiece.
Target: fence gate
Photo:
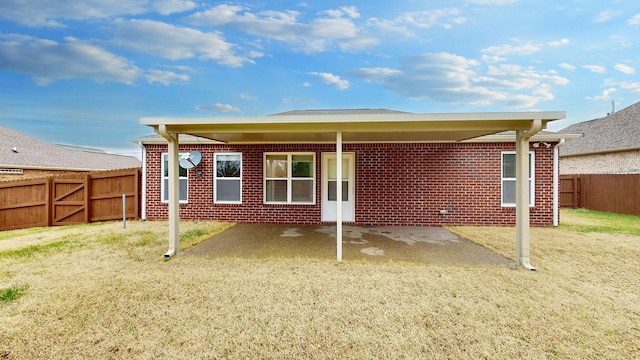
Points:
(70, 201)
(569, 191)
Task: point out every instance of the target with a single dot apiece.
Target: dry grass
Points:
(105, 292)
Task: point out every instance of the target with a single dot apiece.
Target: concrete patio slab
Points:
(412, 244)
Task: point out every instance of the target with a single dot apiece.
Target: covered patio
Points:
(416, 244)
(340, 128)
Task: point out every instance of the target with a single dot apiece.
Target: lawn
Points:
(101, 291)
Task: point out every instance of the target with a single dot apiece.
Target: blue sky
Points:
(84, 72)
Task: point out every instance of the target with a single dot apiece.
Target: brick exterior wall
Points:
(624, 162)
(396, 184)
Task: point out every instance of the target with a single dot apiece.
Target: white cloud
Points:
(634, 87)
(244, 96)
(635, 20)
(500, 53)
(518, 78)
(376, 74)
(175, 43)
(492, 2)
(440, 76)
(596, 69)
(167, 7)
(605, 95)
(430, 18)
(390, 26)
(331, 79)
(605, 16)
(218, 107)
(455, 79)
(504, 50)
(306, 84)
(331, 28)
(620, 42)
(566, 66)
(560, 42)
(47, 13)
(165, 77)
(402, 24)
(48, 61)
(493, 58)
(349, 11)
(625, 69)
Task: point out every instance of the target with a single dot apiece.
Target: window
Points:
(228, 178)
(183, 180)
(289, 178)
(509, 178)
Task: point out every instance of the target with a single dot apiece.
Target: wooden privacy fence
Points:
(69, 199)
(616, 193)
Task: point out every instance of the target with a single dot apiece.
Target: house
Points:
(608, 145)
(24, 156)
(397, 168)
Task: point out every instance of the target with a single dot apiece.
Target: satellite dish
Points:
(190, 160)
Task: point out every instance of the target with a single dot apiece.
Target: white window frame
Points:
(163, 191)
(290, 178)
(532, 177)
(216, 178)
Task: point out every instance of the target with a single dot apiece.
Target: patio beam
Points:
(339, 196)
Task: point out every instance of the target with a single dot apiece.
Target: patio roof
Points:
(365, 125)
(319, 127)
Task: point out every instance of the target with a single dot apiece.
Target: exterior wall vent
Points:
(12, 171)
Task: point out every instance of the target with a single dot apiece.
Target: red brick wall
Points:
(396, 184)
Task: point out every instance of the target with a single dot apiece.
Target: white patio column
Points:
(173, 190)
(339, 196)
(522, 194)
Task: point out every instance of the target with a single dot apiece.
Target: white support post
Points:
(339, 196)
(173, 190)
(522, 195)
(143, 202)
(556, 183)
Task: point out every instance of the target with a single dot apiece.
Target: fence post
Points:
(575, 192)
(124, 211)
(49, 201)
(87, 198)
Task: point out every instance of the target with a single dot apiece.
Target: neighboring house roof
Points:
(33, 153)
(614, 133)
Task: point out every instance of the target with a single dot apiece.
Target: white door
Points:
(329, 183)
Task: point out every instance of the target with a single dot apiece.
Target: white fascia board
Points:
(356, 118)
(537, 137)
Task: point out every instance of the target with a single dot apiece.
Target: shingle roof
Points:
(36, 153)
(617, 132)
